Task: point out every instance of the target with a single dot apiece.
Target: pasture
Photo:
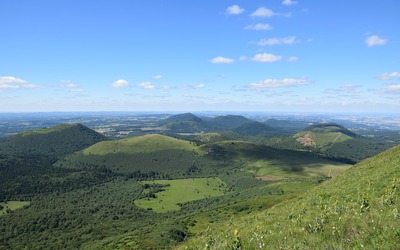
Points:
(181, 191)
(12, 205)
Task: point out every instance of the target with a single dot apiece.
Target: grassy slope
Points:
(359, 209)
(267, 161)
(325, 138)
(181, 191)
(148, 153)
(141, 144)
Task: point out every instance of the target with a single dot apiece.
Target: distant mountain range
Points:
(189, 123)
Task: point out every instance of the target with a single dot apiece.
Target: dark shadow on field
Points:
(287, 160)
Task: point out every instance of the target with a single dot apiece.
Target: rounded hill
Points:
(55, 141)
(142, 144)
(330, 128)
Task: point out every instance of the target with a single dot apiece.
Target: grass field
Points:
(141, 144)
(12, 205)
(181, 191)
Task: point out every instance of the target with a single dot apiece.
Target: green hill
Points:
(184, 123)
(228, 121)
(154, 154)
(142, 144)
(330, 128)
(181, 118)
(55, 141)
(286, 126)
(255, 129)
(332, 141)
(358, 209)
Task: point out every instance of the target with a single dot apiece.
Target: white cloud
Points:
(393, 89)
(293, 59)
(157, 77)
(265, 57)
(386, 76)
(375, 40)
(71, 85)
(120, 83)
(274, 83)
(289, 2)
(221, 59)
(199, 86)
(11, 82)
(234, 10)
(242, 58)
(344, 90)
(76, 90)
(259, 26)
(263, 12)
(8, 86)
(146, 85)
(277, 41)
(11, 79)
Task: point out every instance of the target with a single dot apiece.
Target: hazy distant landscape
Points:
(151, 180)
(199, 124)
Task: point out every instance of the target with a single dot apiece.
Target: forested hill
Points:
(330, 128)
(333, 141)
(182, 118)
(229, 121)
(56, 141)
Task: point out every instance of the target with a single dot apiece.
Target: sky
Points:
(201, 55)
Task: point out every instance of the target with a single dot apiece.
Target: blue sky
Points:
(272, 55)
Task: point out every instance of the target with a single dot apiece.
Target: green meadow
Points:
(181, 191)
(12, 205)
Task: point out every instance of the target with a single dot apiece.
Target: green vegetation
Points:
(255, 129)
(155, 191)
(57, 128)
(9, 206)
(267, 161)
(142, 144)
(358, 209)
(332, 141)
(176, 192)
(325, 139)
(149, 156)
(54, 142)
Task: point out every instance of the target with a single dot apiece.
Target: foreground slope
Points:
(358, 209)
(55, 141)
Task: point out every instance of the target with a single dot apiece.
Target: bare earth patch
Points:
(307, 140)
